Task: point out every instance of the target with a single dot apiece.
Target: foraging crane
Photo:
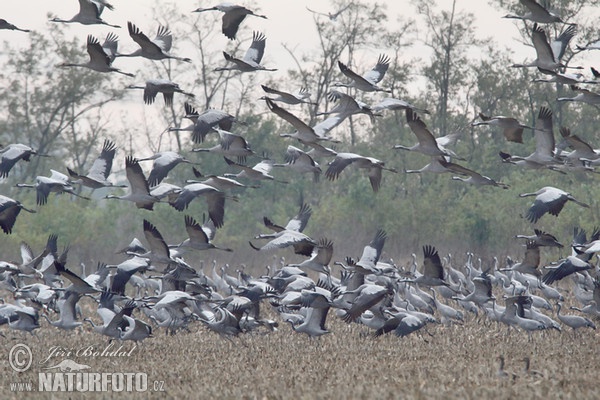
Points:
(373, 166)
(156, 49)
(140, 190)
(512, 128)
(583, 96)
(573, 321)
(300, 97)
(156, 86)
(11, 154)
(215, 199)
(536, 13)
(300, 162)
(548, 200)
(367, 82)
(547, 57)
(199, 236)
(252, 58)
(100, 60)
(427, 143)
(232, 17)
(57, 182)
(97, 175)
(9, 211)
(89, 13)
(230, 144)
(163, 163)
(4, 24)
(303, 133)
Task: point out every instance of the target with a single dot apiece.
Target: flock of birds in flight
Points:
(379, 295)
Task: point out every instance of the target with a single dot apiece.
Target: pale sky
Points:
(288, 22)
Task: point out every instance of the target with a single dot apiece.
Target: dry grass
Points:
(456, 362)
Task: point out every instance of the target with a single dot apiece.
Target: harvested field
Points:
(458, 361)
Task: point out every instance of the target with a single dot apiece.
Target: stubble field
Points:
(446, 362)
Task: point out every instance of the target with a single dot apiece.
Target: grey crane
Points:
(203, 123)
(89, 13)
(320, 258)
(473, 178)
(9, 211)
(573, 321)
(152, 49)
(215, 199)
(136, 330)
(373, 166)
(542, 238)
(251, 60)
(258, 172)
(233, 15)
(231, 145)
(583, 96)
(317, 307)
(568, 266)
(536, 13)
(511, 127)
(549, 200)
(427, 143)
(68, 314)
(12, 153)
(290, 234)
(139, 189)
(97, 175)
(367, 82)
(368, 295)
(299, 97)
(4, 24)
(301, 162)
(303, 133)
(433, 270)
(99, 59)
(163, 163)
(57, 182)
(367, 264)
(199, 236)
(548, 58)
(165, 86)
(347, 105)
